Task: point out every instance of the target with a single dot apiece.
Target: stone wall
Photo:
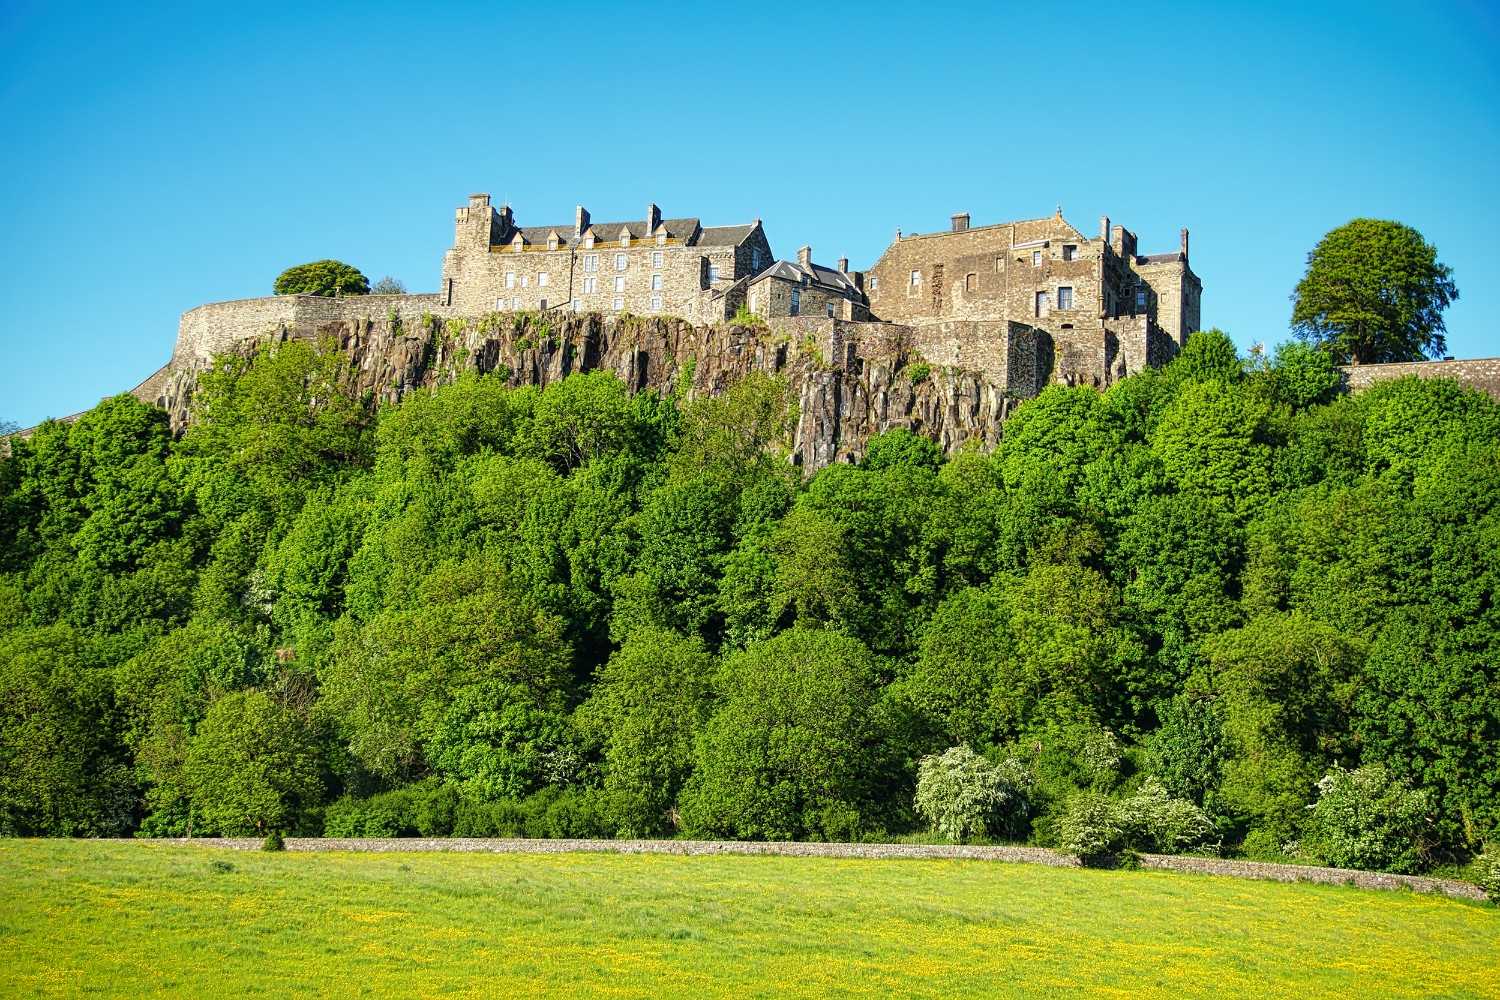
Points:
(1478, 373)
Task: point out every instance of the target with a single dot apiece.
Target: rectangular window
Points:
(499, 304)
(916, 279)
(971, 281)
(796, 301)
(543, 306)
(1041, 303)
(591, 262)
(661, 240)
(830, 310)
(658, 257)
(543, 278)
(619, 284)
(619, 303)
(1070, 252)
(1064, 297)
(713, 273)
(590, 286)
(1036, 258)
(874, 284)
(656, 303)
(525, 281)
(620, 260)
(656, 282)
(510, 279)
(448, 294)
(577, 305)
(1140, 300)
(999, 263)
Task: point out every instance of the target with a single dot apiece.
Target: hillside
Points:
(1219, 606)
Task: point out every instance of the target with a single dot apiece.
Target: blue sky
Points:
(155, 158)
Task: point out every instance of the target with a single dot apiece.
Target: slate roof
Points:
(1161, 258)
(816, 274)
(678, 229)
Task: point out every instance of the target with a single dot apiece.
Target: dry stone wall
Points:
(1479, 373)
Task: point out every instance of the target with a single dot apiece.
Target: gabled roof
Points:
(725, 236)
(678, 229)
(816, 274)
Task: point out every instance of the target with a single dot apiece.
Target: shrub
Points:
(1147, 820)
(273, 842)
(1487, 872)
(744, 317)
(918, 373)
(963, 795)
(1366, 819)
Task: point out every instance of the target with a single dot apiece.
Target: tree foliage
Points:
(1374, 291)
(322, 277)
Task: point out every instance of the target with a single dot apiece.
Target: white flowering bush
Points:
(1147, 820)
(964, 795)
(1365, 818)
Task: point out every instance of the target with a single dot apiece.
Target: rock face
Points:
(850, 380)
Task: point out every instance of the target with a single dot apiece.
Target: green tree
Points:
(322, 277)
(251, 767)
(1374, 291)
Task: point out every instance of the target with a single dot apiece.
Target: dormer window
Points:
(661, 239)
(518, 244)
(588, 242)
(552, 242)
(624, 237)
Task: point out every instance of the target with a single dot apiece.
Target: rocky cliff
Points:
(851, 380)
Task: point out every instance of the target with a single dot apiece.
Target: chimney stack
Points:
(804, 256)
(653, 219)
(580, 221)
(1184, 243)
(1104, 228)
(843, 265)
(960, 221)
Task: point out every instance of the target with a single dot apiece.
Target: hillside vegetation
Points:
(139, 919)
(1217, 605)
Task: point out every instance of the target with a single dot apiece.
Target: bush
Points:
(1148, 820)
(963, 795)
(273, 842)
(918, 373)
(1366, 819)
(422, 810)
(1487, 872)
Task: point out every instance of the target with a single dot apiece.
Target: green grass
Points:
(119, 918)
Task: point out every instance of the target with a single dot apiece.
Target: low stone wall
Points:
(1478, 373)
(1259, 870)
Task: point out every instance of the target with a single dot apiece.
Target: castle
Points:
(1023, 303)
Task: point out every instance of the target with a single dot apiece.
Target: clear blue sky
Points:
(157, 158)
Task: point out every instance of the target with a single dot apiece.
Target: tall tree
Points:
(1374, 291)
(322, 277)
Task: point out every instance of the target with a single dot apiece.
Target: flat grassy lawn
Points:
(122, 918)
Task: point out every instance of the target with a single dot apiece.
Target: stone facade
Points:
(1106, 310)
(787, 289)
(650, 266)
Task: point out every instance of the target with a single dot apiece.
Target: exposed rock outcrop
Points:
(850, 380)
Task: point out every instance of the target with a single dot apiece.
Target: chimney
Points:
(1104, 228)
(898, 234)
(580, 220)
(1184, 243)
(843, 265)
(804, 256)
(653, 218)
(506, 223)
(479, 200)
(960, 221)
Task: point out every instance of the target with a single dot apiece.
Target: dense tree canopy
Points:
(1216, 603)
(323, 277)
(1374, 291)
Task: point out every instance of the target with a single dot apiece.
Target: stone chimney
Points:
(507, 223)
(843, 265)
(960, 221)
(1184, 235)
(580, 220)
(479, 201)
(653, 218)
(1104, 228)
(804, 256)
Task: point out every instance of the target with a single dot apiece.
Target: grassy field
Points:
(133, 919)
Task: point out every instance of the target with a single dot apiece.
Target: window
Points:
(656, 303)
(543, 279)
(916, 279)
(551, 243)
(525, 281)
(619, 303)
(1036, 258)
(577, 305)
(656, 282)
(588, 242)
(874, 284)
(1041, 303)
(543, 306)
(796, 301)
(1140, 300)
(448, 295)
(510, 279)
(661, 240)
(713, 273)
(999, 263)
(591, 262)
(620, 261)
(625, 239)
(590, 286)
(1070, 252)
(830, 310)
(658, 257)
(1064, 297)
(499, 304)
(971, 281)
(620, 284)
